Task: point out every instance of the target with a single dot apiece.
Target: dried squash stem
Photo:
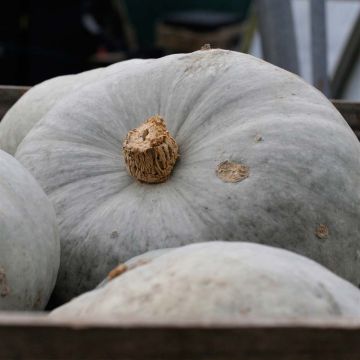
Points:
(150, 151)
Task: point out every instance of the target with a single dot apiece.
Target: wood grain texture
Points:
(36, 337)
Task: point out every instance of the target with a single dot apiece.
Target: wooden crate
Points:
(35, 336)
(351, 113)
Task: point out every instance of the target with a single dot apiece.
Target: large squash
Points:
(264, 157)
(218, 281)
(29, 240)
(37, 101)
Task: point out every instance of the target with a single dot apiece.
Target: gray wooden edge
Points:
(38, 337)
(347, 107)
(351, 113)
(347, 61)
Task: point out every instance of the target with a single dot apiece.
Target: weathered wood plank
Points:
(30, 336)
(351, 112)
(319, 46)
(347, 61)
(276, 27)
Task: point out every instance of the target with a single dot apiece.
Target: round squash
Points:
(218, 281)
(261, 156)
(37, 101)
(29, 240)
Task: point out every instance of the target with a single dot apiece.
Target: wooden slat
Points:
(347, 61)
(351, 112)
(319, 46)
(277, 32)
(35, 337)
(8, 96)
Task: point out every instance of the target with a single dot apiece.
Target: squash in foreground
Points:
(218, 281)
(29, 240)
(209, 145)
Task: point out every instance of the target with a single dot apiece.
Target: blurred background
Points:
(316, 39)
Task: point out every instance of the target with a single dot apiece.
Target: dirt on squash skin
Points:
(322, 231)
(37, 302)
(232, 172)
(120, 269)
(207, 59)
(206, 47)
(114, 235)
(4, 286)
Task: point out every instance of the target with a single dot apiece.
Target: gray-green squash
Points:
(29, 239)
(218, 281)
(37, 101)
(264, 158)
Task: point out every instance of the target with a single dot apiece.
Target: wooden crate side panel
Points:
(38, 337)
(351, 113)
(260, 343)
